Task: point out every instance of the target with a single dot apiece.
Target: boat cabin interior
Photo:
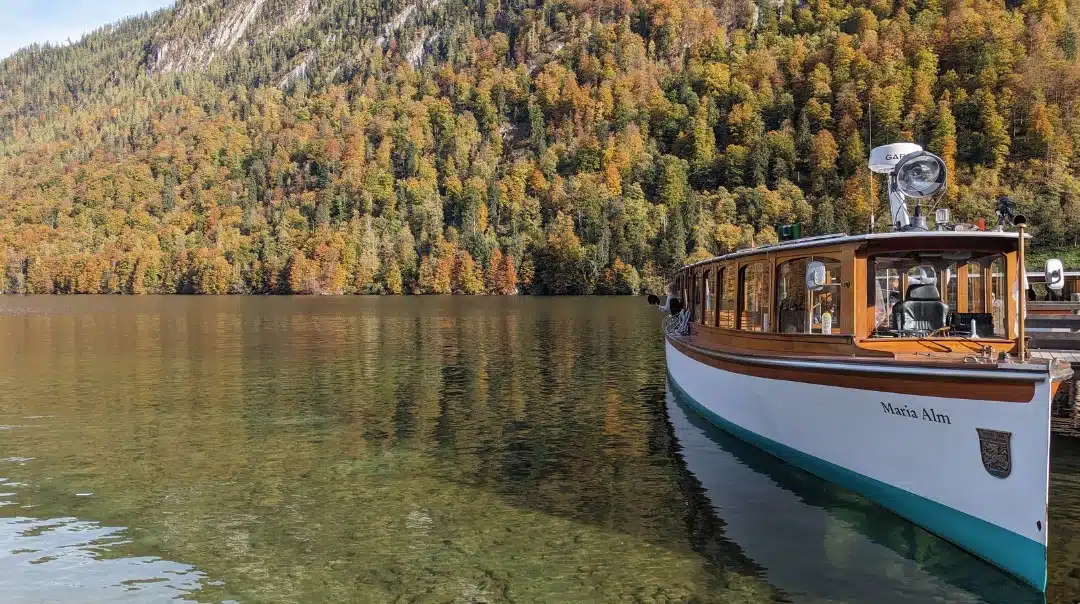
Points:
(886, 294)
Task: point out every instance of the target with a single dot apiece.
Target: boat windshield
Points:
(939, 294)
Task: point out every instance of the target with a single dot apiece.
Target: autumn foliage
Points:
(569, 148)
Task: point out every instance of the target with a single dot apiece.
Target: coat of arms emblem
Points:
(996, 450)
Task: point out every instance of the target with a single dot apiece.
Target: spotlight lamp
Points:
(913, 175)
(920, 175)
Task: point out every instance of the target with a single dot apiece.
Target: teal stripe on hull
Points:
(1014, 553)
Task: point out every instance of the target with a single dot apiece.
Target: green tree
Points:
(994, 134)
(560, 266)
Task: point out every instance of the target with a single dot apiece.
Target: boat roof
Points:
(842, 238)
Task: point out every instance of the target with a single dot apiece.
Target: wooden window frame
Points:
(695, 288)
(769, 263)
(844, 306)
(850, 268)
(864, 290)
(706, 272)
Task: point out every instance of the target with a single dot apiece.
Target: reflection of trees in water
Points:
(704, 528)
(287, 445)
(1064, 549)
(369, 448)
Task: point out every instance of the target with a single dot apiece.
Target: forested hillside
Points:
(541, 146)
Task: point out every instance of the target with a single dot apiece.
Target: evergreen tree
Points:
(943, 143)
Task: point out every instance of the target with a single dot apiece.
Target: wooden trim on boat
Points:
(933, 365)
(998, 385)
(924, 345)
(768, 341)
(932, 241)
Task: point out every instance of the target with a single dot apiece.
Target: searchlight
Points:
(913, 174)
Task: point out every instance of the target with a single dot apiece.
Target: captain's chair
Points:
(922, 309)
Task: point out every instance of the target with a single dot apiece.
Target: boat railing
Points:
(678, 325)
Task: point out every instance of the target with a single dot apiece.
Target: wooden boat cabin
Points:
(881, 294)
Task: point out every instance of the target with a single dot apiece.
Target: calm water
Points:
(419, 450)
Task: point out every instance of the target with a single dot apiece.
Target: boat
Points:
(891, 363)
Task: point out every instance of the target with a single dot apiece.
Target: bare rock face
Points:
(228, 27)
(299, 34)
(259, 42)
(201, 30)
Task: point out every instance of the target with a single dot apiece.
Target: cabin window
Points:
(709, 316)
(939, 294)
(800, 310)
(754, 283)
(688, 285)
(728, 295)
(976, 285)
(952, 293)
(997, 294)
(696, 284)
(887, 294)
(686, 292)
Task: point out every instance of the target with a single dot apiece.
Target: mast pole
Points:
(1021, 349)
(870, 180)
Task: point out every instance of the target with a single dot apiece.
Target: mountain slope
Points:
(339, 146)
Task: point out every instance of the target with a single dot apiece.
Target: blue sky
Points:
(23, 22)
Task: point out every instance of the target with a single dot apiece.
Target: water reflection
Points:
(1064, 550)
(363, 449)
(65, 559)
(418, 449)
(818, 541)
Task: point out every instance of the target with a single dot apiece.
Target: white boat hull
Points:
(926, 465)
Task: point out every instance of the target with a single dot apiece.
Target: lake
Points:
(420, 449)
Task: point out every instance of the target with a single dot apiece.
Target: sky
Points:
(23, 22)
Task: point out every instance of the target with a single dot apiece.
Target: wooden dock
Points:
(1057, 336)
(1072, 356)
(1065, 408)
